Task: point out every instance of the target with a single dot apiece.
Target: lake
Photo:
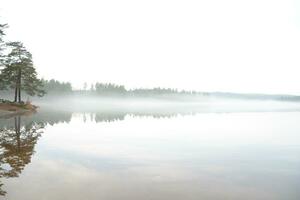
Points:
(160, 153)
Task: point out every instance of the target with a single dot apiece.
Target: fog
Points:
(165, 104)
(161, 99)
(53, 109)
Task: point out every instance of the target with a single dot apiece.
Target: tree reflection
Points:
(17, 147)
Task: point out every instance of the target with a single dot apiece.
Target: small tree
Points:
(19, 73)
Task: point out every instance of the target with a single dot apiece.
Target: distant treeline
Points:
(54, 86)
(110, 89)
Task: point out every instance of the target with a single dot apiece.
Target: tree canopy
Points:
(19, 73)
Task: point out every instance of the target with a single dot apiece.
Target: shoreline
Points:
(11, 109)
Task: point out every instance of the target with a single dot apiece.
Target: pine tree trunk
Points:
(19, 94)
(16, 93)
(19, 85)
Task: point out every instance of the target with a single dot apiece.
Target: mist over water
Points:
(112, 148)
(168, 107)
(152, 100)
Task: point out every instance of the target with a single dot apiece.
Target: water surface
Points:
(155, 154)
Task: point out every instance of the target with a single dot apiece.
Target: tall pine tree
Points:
(19, 73)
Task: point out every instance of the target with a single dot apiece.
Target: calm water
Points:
(135, 156)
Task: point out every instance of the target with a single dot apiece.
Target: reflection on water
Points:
(154, 154)
(17, 147)
(111, 112)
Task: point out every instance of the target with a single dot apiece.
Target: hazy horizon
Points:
(233, 46)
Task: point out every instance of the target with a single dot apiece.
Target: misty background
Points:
(227, 46)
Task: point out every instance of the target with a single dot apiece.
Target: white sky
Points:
(211, 45)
